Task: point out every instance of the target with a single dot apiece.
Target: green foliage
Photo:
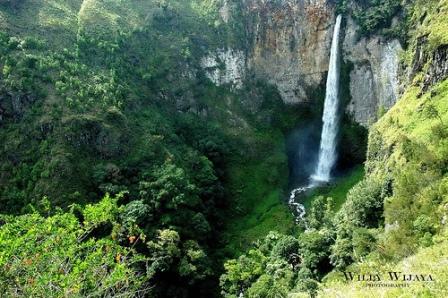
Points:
(425, 260)
(194, 264)
(260, 272)
(406, 156)
(104, 211)
(92, 108)
(362, 210)
(112, 99)
(315, 251)
(375, 14)
(285, 247)
(269, 286)
(396, 210)
(164, 250)
(413, 168)
(251, 180)
(338, 190)
(320, 214)
(168, 188)
(241, 273)
(275, 265)
(364, 204)
(54, 257)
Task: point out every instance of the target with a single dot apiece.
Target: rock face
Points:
(225, 67)
(374, 79)
(438, 68)
(290, 44)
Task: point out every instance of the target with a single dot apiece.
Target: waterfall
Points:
(330, 118)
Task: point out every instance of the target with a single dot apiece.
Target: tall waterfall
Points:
(327, 151)
(330, 119)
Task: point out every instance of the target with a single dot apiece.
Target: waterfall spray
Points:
(330, 118)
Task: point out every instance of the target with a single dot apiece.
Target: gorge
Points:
(149, 148)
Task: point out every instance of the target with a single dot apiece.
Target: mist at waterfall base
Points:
(327, 149)
(302, 147)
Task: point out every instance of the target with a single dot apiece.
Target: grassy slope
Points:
(54, 21)
(338, 190)
(426, 260)
(431, 260)
(258, 184)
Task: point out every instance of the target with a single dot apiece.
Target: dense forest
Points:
(126, 171)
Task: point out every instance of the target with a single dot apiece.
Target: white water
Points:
(299, 209)
(330, 118)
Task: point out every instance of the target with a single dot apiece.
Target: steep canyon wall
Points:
(288, 45)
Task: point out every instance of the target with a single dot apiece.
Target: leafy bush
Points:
(375, 14)
(55, 256)
(362, 209)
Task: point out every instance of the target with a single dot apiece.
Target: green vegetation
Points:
(126, 172)
(261, 183)
(432, 18)
(333, 240)
(67, 255)
(337, 190)
(391, 220)
(104, 98)
(375, 17)
(425, 260)
(375, 14)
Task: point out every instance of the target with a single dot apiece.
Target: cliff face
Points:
(289, 46)
(225, 67)
(374, 86)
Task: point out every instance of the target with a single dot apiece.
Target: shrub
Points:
(54, 257)
(375, 14)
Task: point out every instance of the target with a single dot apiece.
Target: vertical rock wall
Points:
(289, 46)
(225, 67)
(374, 85)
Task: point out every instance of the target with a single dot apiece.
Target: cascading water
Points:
(330, 119)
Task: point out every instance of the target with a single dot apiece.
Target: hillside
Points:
(110, 98)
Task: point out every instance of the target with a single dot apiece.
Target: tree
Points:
(194, 263)
(315, 250)
(268, 287)
(362, 209)
(57, 256)
(168, 188)
(321, 213)
(241, 273)
(432, 112)
(164, 250)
